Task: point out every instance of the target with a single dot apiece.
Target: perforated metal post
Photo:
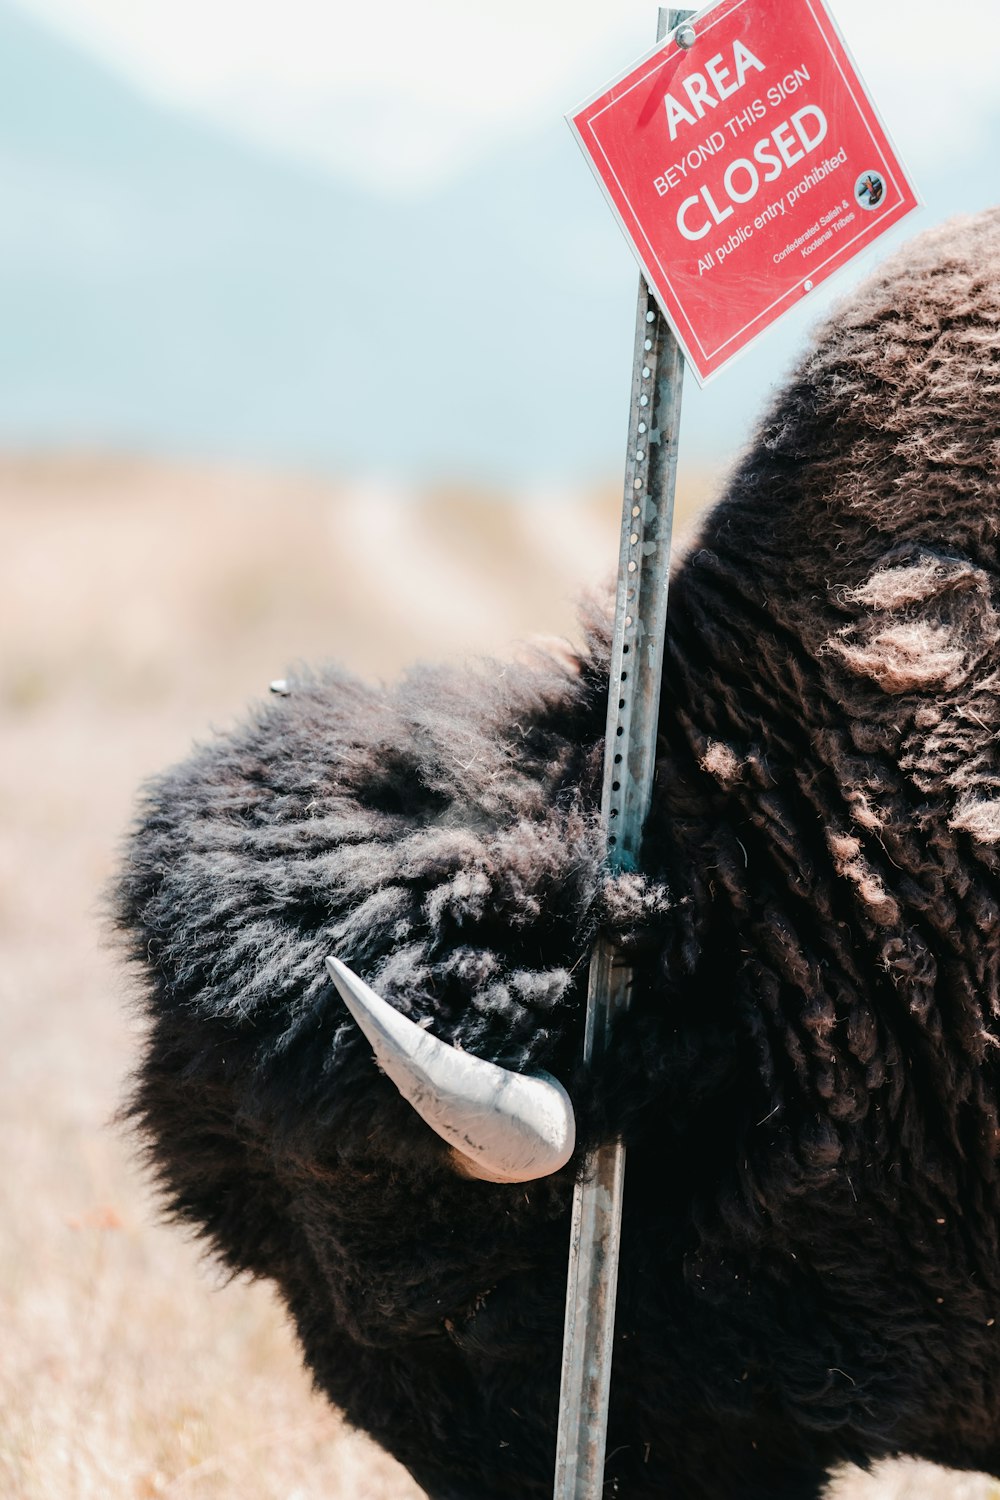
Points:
(633, 714)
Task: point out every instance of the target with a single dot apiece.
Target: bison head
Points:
(807, 1081)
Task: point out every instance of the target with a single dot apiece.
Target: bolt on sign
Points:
(745, 167)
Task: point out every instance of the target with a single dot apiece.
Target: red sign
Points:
(744, 168)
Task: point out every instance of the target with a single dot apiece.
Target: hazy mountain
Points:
(166, 287)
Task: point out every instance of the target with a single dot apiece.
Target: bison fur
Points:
(808, 1080)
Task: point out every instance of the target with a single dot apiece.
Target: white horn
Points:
(502, 1126)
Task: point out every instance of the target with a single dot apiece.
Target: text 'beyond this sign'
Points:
(745, 169)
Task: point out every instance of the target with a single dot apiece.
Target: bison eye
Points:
(501, 1126)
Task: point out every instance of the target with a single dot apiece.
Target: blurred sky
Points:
(400, 95)
(356, 237)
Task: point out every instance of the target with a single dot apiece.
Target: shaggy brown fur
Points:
(808, 1080)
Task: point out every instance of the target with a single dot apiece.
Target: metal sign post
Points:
(633, 713)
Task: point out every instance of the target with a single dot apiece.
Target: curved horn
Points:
(502, 1126)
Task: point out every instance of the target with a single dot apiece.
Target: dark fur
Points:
(808, 1081)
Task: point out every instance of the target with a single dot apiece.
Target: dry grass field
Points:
(139, 607)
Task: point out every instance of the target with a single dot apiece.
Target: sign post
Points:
(629, 755)
(746, 162)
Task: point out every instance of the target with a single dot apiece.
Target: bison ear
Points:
(501, 1126)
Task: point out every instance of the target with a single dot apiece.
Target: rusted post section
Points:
(633, 713)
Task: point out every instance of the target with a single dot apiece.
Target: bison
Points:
(808, 1081)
